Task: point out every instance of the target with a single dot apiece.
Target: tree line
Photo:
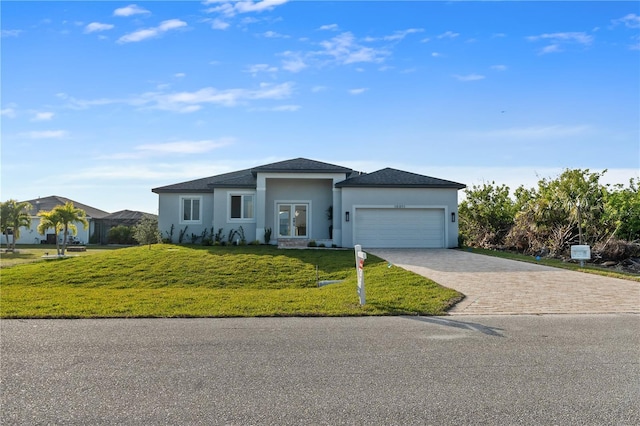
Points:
(573, 208)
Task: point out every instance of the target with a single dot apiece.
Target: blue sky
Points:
(102, 101)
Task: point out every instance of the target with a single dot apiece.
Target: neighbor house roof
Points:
(128, 215)
(45, 204)
(393, 178)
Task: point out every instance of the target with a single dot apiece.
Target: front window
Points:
(242, 206)
(191, 209)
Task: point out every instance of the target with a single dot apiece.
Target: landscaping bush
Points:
(121, 234)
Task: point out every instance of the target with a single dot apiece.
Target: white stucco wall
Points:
(169, 208)
(317, 192)
(31, 236)
(222, 213)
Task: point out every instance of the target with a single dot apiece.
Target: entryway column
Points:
(337, 215)
(261, 203)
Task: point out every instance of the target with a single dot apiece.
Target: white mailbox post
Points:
(581, 253)
(360, 258)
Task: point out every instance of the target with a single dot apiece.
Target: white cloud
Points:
(187, 102)
(144, 34)
(280, 108)
(251, 6)
(8, 112)
(631, 20)
(171, 24)
(191, 101)
(180, 75)
(273, 34)
(97, 27)
(358, 91)
(233, 8)
(42, 116)
(10, 33)
(399, 35)
(345, 50)
(293, 62)
(45, 134)
(436, 54)
(218, 24)
(132, 9)
(184, 147)
(566, 37)
(258, 68)
(469, 77)
(330, 27)
(499, 67)
(316, 89)
(425, 40)
(448, 34)
(169, 148)
(552, 48)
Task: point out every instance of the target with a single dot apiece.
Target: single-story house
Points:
(44, 204)
(300, 200)
(100, 222)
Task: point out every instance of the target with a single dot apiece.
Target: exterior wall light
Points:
(453, 216)
(346, 216)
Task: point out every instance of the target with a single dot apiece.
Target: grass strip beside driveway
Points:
(194, 281)
(556, 263)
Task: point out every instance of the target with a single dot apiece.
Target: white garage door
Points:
(402, 228)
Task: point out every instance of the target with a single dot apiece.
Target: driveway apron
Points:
(500, 286)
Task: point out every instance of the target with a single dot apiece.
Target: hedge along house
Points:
(300, 200)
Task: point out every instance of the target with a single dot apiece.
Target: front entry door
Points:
(292, 220)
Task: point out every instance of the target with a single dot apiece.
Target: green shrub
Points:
(120, 234)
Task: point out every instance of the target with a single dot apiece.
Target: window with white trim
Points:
(190, 209)
(241, 206)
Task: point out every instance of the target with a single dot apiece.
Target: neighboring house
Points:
(123, 217)
(388, 208)
(31, 235)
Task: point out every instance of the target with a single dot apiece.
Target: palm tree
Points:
(4, 221)
(67, 215)
(50, 220)
(14, 215)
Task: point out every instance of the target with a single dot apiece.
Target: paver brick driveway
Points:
(500, 286)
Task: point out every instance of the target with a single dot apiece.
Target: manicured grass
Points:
(194, 281)
(556, 263)
(29, 253)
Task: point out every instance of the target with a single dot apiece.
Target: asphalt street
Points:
(527, 369)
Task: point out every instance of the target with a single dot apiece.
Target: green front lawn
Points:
(194, 281)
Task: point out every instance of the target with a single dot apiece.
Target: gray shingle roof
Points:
(393, 178)
(206, 184)
(302, 165)
(387, 178)
(45, 204)
(247, 178)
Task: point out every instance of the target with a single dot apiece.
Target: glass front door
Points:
(292, 220)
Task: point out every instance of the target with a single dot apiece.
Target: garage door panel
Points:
(386, 228)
